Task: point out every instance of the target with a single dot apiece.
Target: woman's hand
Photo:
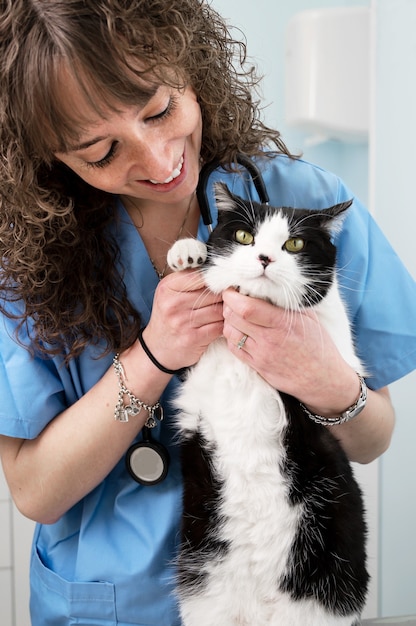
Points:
(291, 351)
(186, 318)
(296, 355)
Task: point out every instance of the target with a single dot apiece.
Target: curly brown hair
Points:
(57, 257)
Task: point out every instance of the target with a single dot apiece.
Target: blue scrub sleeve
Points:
(380, 295)
(31, 391)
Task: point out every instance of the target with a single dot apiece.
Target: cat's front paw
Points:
(186, 253)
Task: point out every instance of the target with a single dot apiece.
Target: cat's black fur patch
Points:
(201, 502)
(328, 555)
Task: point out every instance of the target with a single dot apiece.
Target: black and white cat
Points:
(273, 525)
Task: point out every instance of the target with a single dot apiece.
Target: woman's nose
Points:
(155, 159)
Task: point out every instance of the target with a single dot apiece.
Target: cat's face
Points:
(282, 255)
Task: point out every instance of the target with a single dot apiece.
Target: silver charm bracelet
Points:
(347, 415)
(122, 411)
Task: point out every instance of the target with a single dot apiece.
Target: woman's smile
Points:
(141, 152)
(176, 172)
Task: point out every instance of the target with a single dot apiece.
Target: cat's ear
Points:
(223, 197)
(334, 216)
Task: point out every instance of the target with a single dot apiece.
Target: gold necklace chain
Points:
(161, 274)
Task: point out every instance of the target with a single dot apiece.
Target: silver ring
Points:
(242, 342)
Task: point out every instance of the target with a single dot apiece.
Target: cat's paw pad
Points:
(186, 253)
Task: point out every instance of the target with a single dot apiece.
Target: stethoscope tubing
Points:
(202, 189)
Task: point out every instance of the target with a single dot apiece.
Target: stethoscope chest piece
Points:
(147, 461)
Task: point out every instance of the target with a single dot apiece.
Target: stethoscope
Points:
(148, 460)
(202, 189)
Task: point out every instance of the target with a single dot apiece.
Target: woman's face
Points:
(150, 152)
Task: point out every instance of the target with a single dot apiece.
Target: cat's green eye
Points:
(295, 244)
(244, 237)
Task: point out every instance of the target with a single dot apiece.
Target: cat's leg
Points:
(186, 253)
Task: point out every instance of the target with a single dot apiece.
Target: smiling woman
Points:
(114, 112)
(108, 110)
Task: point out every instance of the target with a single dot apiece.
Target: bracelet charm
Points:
(123, 412)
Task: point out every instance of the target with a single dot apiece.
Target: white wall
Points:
(394, 135)
(264, 25)
(6, 555)
(15, 541)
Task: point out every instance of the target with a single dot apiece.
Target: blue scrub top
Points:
(109, 559)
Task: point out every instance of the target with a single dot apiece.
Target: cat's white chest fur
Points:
(242, 418)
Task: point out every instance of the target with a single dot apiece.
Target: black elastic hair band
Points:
(159, 366)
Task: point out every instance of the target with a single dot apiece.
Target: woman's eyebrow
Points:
(84, 144)
(143, 99)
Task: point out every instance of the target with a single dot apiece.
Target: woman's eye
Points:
(295, 244)
(105, 160)
(168, 110)
(244, 237)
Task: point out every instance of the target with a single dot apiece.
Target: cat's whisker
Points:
(203, 296)
(348, 281)
(247, 208)
(193, 280)
(313, 314)
(201, 299)
(307, 216)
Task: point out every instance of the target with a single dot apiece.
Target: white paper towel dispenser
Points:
(327, 73)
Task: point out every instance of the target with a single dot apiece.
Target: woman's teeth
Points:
(174, 175)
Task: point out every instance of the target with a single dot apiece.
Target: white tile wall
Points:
(6, 597)
(15, 540)
(5, 536)
(22, 541)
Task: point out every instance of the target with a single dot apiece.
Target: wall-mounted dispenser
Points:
(327, 73)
